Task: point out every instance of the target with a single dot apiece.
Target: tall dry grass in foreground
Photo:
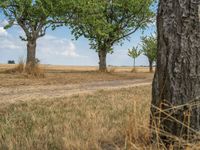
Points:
(105, 120)
(188, 138)
(108, 120)
(28, 70)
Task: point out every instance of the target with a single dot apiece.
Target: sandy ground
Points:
(24, 93)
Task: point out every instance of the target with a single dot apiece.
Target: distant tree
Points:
(11, 62)
(34, 18)
(134, 53)
(106, 23)
(149, 49)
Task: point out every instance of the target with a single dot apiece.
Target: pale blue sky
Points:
(58, 48)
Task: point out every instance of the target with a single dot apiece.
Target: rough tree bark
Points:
(177, 78)
(31, 52)
(102, 60)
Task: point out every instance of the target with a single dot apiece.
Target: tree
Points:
(106, 23)
(134, 53)
(176, 86)
(33, 16)
(11, 62)
(149, 48)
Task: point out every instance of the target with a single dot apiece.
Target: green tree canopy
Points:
(33, 16)
(149, 48)
(106, 22)
(134, 53)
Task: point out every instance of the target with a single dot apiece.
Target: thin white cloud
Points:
(50, 45)
(71, 50)
(10, 43)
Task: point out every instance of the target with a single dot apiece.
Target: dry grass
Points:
(108, 120)
(63, 76)
(54, 68)
(188, 140)
(112, 69)
(36, 71)
(19, 68)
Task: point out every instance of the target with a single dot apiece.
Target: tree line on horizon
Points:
(104, 23)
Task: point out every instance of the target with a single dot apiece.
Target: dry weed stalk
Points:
(189, 141)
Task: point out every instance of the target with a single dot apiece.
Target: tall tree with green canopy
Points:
(134, 53)
(34, 18)
(149, 49)
(106, 23)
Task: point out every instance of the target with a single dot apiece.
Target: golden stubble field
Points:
(80, 68)
(62, 75)
(108, 120)
(114, 115)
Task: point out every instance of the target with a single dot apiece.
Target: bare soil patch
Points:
(65, 81)
(24, 93)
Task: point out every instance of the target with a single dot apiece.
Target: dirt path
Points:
(24, 93)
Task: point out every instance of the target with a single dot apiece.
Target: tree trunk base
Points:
(31, 53)
(102, 61)
(103, 70)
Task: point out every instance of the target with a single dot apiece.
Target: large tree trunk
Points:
(150, 66)
(102, 60)
(177, 78)
(31, 52)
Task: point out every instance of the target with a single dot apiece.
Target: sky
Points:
(59, 48)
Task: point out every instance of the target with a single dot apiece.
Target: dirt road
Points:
(24, 93)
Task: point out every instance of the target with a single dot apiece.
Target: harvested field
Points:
(64, 76)
(108, 120)
(75, 109)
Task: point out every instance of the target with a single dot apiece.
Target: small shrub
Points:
(112, 70)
